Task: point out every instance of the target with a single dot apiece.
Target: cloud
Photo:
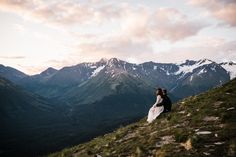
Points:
(138, 29)
(164, 24)
(171, 24)
(62, 12)
(224, 10)
(138, 22)
(198, 48)
(123, 30)
(219, 50)
(12, 57)
(112, 47)
(19, 28)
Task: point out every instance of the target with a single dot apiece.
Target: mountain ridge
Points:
(105, 60)
(167, 75)
(189, 76)
(10, 73)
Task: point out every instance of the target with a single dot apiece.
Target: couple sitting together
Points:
(163, 104)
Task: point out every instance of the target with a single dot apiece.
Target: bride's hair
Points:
(159, 92)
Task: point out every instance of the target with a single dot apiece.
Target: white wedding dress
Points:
(155, 111)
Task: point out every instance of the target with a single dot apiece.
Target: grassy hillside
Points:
(202, 125)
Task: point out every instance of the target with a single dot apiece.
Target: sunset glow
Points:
(37, 34)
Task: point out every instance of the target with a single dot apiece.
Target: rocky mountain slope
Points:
(202, 125)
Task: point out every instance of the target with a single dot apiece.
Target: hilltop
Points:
(202, 125)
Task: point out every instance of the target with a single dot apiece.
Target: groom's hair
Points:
(164, 91)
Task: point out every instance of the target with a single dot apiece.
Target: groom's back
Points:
(167, 103)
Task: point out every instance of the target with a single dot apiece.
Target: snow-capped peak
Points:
(103, 60)
(113, 60)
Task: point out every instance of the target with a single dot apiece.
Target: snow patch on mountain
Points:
(125, 66)
(184, 69)
(231, 68)
(113, 86)
(93, 66)
(167, 73)
(204, 61)
(96, 71)
(191, 78)
(213, 68)
(202, 71)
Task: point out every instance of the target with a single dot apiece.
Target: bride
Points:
(156, 109)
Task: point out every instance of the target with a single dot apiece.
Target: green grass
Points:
(186, 119)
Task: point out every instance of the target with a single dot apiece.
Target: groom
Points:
(166, 102)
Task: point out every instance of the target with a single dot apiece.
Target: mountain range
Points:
(76, 103)
(89, 82)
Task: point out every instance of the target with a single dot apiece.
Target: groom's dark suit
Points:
(166, 102)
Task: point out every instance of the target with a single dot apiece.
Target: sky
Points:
(37, 34)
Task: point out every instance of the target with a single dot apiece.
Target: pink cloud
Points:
(224, 10)
(64, 13)
(136, 28)
(113, 47)
(137, 22)
(171, 24)
(139, 28)
(12, 57)
(164, 24)
(219, 50)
